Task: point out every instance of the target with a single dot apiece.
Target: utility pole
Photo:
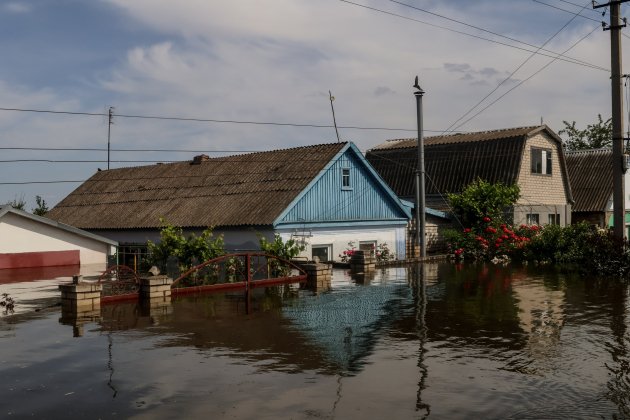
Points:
(109, 130)
(617, 115)
(420, 203)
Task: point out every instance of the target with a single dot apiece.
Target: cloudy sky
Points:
(274, 61)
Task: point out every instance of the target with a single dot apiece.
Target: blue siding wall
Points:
(329, 201)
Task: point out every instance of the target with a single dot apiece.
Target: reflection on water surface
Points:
(435, 341)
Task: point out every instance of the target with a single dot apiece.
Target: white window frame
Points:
(328, 248)
(346, 183)
(532, 218)
(541, 161)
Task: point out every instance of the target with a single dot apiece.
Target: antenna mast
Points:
(332, 98)
(109, 130)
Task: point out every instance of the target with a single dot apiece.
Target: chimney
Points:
(199, 158)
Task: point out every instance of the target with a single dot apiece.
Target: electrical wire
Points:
(513, 73)
(566, 59)
(522, 82)
(209, 120)
(538, 48)
(582, 16)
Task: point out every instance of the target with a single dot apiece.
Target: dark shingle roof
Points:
(452, 161)
(249, 189)
(590, 172)
(507, 133)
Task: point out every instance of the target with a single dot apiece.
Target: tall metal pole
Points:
(420, 203)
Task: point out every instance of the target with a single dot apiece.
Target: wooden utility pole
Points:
(618, 161)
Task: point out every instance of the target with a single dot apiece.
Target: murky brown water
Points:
(445, 343)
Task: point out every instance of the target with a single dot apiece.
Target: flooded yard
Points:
(437, 341)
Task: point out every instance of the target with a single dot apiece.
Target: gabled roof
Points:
(502, 134)
(240, 190)
(7, 209)
(453, 161)
(591, 175)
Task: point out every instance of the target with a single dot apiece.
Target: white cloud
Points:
(17, 7)
(276, 61)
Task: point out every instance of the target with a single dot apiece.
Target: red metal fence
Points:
(238, 271)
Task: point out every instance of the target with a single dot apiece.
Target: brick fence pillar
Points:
(319, 275)
(360, 262)
(155, 288)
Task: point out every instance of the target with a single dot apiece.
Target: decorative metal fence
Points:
(119, 282)
(234, 271)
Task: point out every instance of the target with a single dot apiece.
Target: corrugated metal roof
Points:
(248, 189)
(590, 172)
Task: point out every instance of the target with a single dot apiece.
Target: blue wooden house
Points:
(327, 196)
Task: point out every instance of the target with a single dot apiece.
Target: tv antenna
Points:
(332, 98)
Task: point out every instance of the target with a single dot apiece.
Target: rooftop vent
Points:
(199, 158)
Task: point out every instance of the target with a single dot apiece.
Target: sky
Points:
(275, 61)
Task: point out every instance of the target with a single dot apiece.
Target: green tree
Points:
(594, 136)
(42, 207)
(173, 243)
(278, 248)
(286, 250)
(482, 200)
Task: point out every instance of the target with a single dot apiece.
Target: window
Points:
(554, 219)
(532, 218)
(322, 252)
(345, 179)
(368, 247)
(541, 161)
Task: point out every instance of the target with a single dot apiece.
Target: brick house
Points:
(531, 157)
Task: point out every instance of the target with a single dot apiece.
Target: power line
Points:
(210, 120)
(566, 59)
(514, 72)
(481, 29)
(523, 81)
(569, 11)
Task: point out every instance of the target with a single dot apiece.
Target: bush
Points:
(187, 250)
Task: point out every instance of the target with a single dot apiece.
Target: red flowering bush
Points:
(488, 241)
(347, 254)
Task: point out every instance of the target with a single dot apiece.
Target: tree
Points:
(187, 250)
(285, 250)
(482, 200)
(42, 207)
(594, 136)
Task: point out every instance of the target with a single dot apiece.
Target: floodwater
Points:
(440, 342)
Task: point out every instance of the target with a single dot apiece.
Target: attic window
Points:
(345, 179)
(541, 161)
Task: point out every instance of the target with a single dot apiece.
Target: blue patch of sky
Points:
(55, 44)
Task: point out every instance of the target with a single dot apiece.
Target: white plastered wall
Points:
(338, 238)
(20, 234)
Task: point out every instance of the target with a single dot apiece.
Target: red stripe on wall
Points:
(39, 259)
(18, 275)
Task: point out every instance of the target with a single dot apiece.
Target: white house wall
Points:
(19, 234)
(339, 237)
